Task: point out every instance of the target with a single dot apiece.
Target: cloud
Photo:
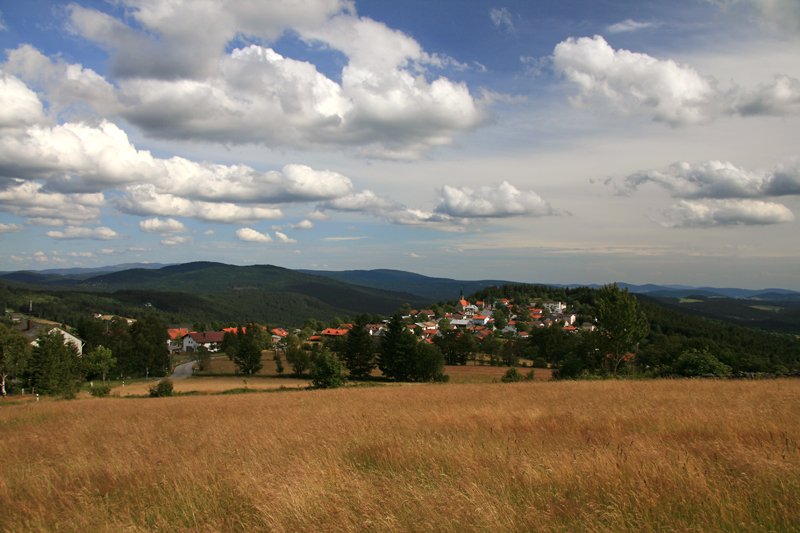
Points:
(303, 224)
(157, 225)
(630, 81)
(72, 90)
(146, 200)
(3, 26)
(19, 106)
(101, 233)
(780, 97)
(368, 203)
(720, 179)
(175, 78)
(338, 239)
(662, 89)
(251, 235)
(502, 19)
(283, 238)
(8, 228)
(175, 240)
(492, 201)
(710, 213)
(628, 25)
(28, 199)
(783, 15)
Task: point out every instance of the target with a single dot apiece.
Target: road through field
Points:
(183, 371)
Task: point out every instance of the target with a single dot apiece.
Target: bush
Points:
(327, 372)
(512, 375)
(700, 363)
(161, 389)
(100, 391)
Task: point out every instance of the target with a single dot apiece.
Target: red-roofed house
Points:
(175, 338)
(209, 339)
(280, 332)
(334, 332)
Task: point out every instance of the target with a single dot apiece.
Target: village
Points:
(479, 319)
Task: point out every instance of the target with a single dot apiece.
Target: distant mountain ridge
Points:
(420, 286)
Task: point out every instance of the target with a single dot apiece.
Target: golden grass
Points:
(489, 374)
(559, 456)
(212, 385)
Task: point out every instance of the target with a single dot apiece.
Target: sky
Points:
(556, 141)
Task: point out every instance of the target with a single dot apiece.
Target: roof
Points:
(463, 303)
(233, 330)
(177, 333)
(203, 337)
(333, 332)
(280, 332)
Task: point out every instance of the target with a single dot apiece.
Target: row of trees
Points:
(50, 367)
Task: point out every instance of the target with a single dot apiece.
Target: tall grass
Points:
(566, 456)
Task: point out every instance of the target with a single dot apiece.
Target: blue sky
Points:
(548, 141)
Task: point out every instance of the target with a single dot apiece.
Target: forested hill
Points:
(430, 288)
(205, 291)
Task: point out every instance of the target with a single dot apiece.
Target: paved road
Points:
(183, 371)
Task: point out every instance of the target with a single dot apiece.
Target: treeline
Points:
(113, 349)
(667, 343)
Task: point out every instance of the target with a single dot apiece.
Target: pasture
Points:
(682, 455)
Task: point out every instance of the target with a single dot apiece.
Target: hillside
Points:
(429, 288)
(204, 292)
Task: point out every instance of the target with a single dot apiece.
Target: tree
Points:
(150, 355)
(55, 367)
(693, 362)
(15, 355)
(327, 371)
(298, 359)
(622, 325)
(500, 319)
(358, 351)
(248, 354)
(396, 350)
(99, 361)
(428, 363)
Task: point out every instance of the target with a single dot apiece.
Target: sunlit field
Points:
(212, 385)
(567, 456)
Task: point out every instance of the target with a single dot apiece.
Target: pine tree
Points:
(397, 350)
(248, 354)
(358, 351)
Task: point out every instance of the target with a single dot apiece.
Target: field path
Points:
(183, 371)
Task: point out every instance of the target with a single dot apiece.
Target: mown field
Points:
(688, 455)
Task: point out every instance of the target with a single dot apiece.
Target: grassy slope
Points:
(590, 456)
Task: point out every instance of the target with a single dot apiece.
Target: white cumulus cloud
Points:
(628, 25)
(176, 79)
(711, 213)
(251, 235)
(720, 179)
(664, 89)
(101, 233)
(158, 225)
(491, 201)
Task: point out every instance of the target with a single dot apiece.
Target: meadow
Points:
(680, 455)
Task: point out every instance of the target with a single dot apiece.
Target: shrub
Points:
(512, 375)
(327, 372)
(100, 391)
(694, 362)
(161, 389)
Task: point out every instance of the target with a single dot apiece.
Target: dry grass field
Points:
(208, 385)
(558, 456)
(489, 374)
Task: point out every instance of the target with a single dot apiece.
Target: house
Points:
(334, 332)
(374, 330)
(480, 320)
(460, 323)
(280, 332)
(554, 308)
(211, 340)
(69, 338)
(175, 339)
